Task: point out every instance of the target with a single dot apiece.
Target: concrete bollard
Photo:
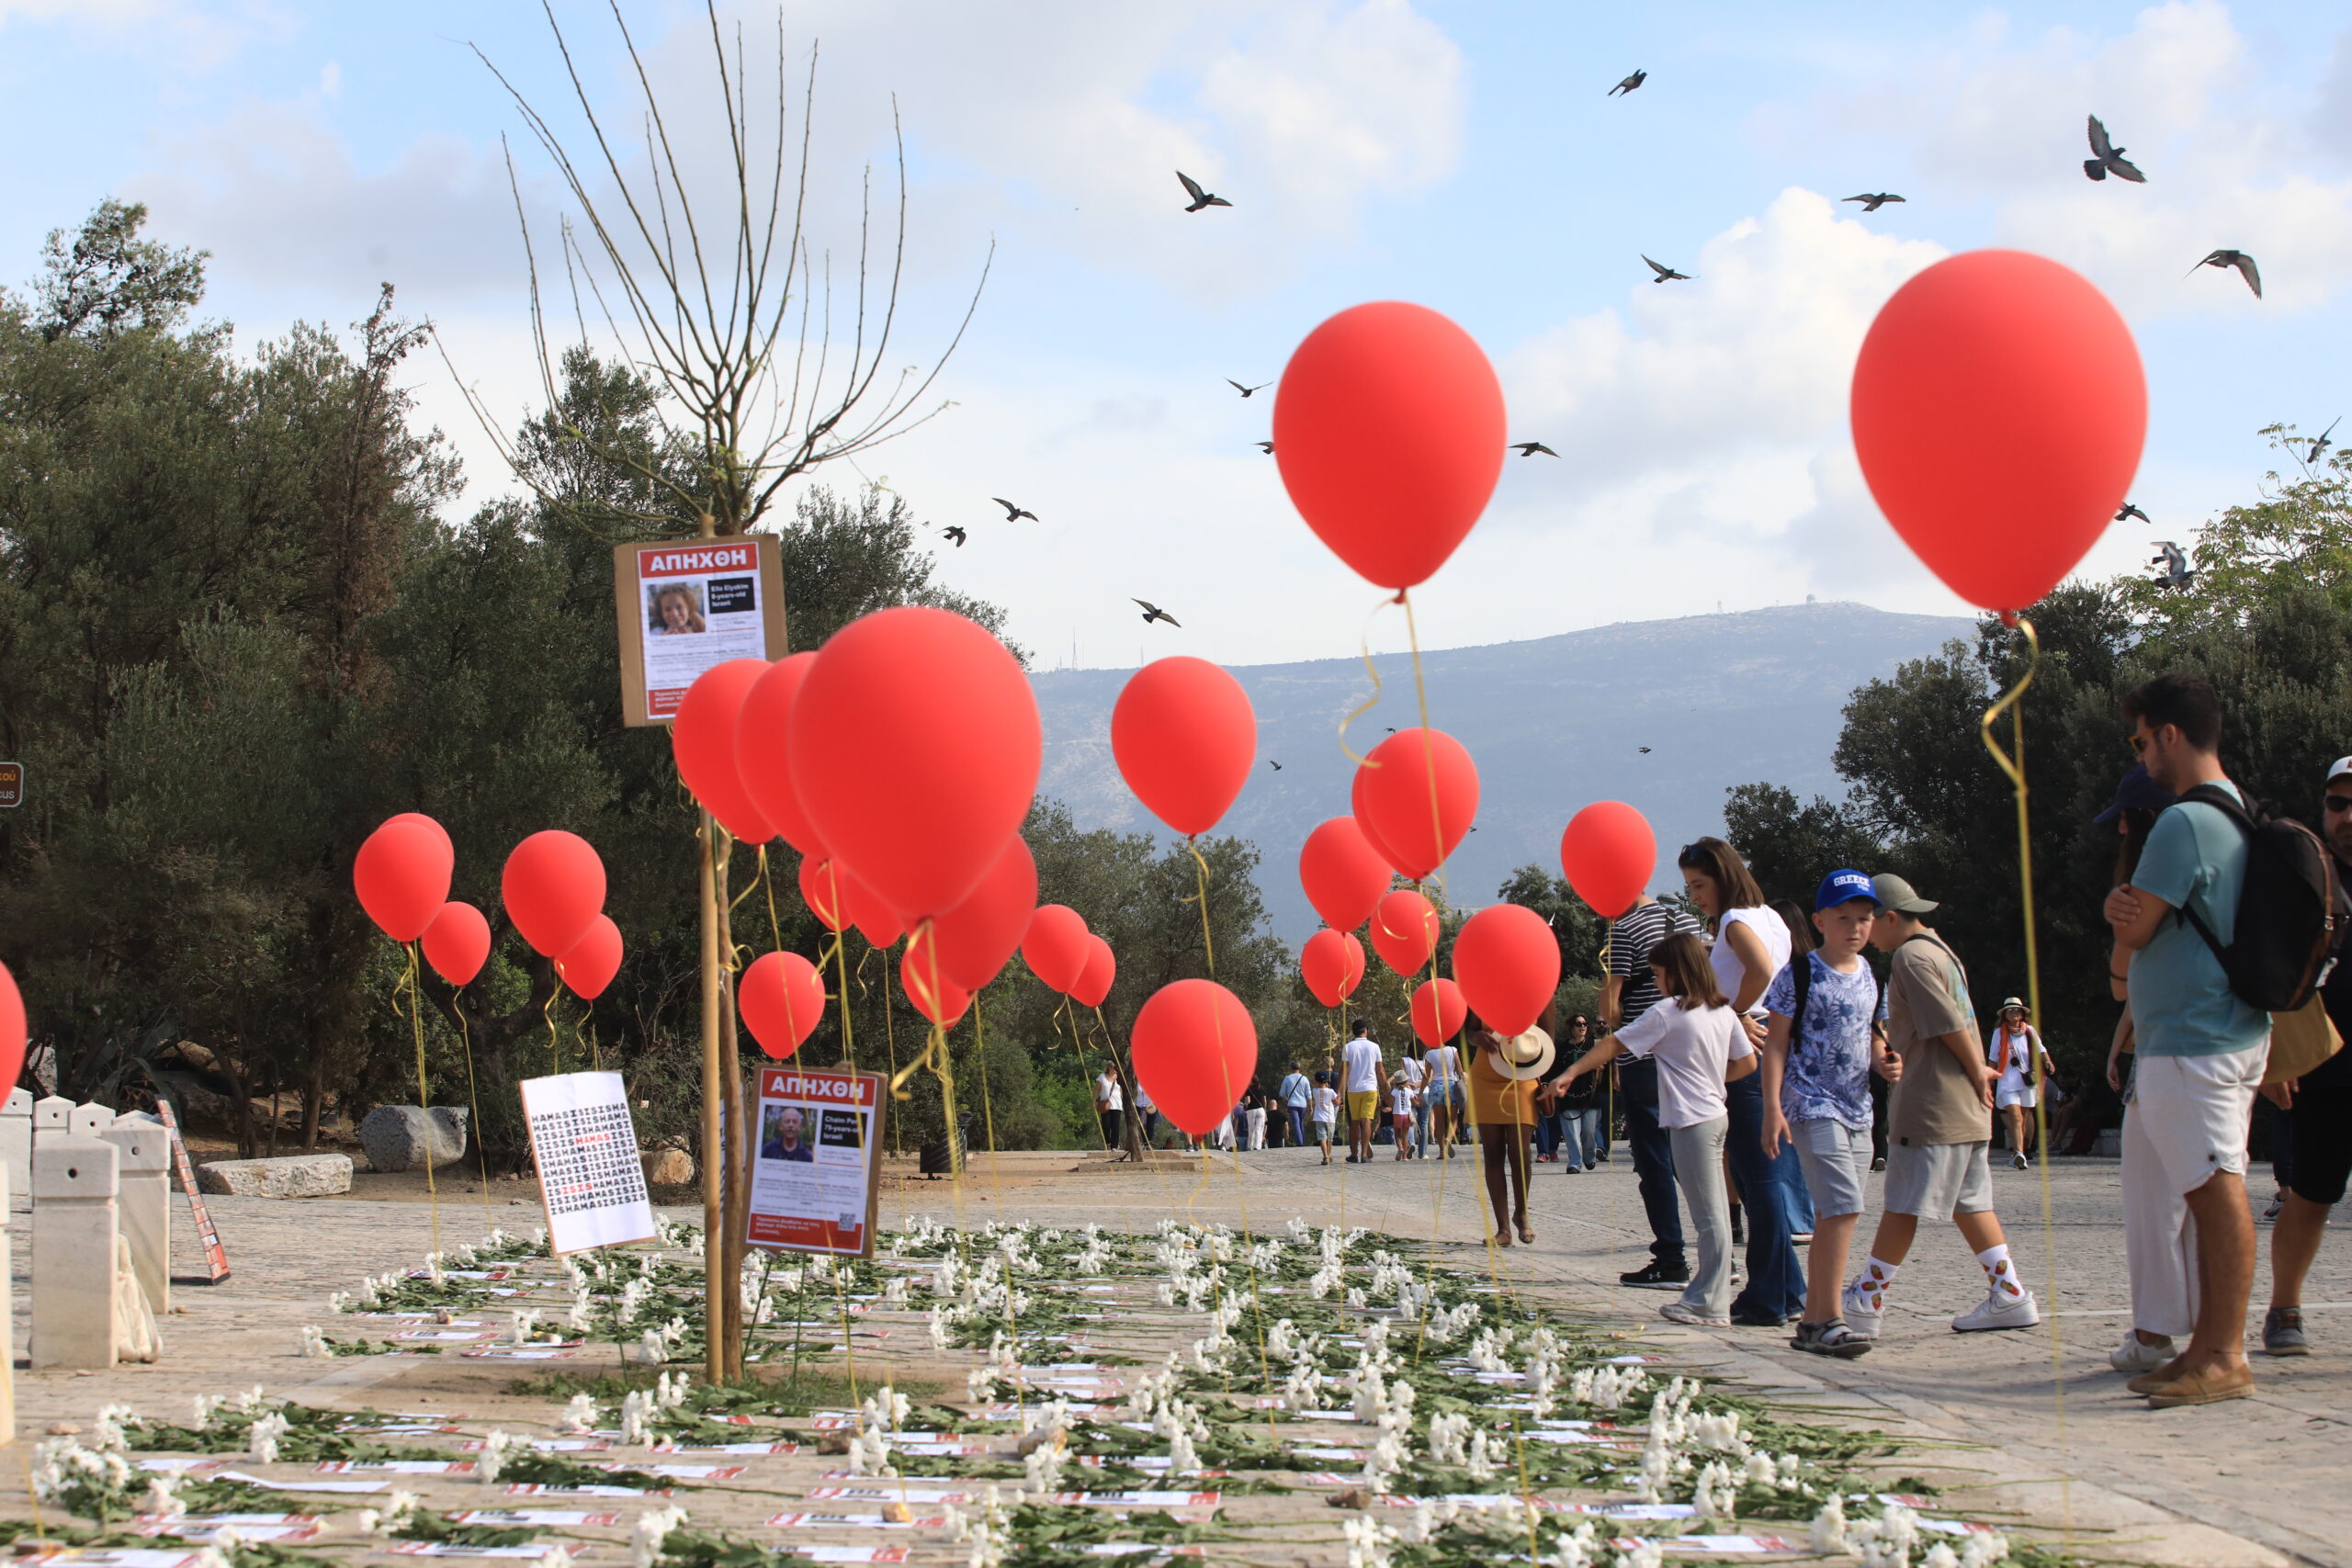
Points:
(75, 1252)
(16, 1141)
(144, 1204)
(48, 1118)
(7, 1302)
(89, 1120)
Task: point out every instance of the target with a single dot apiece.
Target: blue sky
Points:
(1462, 155)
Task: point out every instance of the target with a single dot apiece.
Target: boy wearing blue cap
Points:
(1819, 1047)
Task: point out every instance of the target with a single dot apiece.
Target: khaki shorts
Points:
(1364, 1106)
(1935, 1181)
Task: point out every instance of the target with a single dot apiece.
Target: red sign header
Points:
(667, 561)
(835, 1088)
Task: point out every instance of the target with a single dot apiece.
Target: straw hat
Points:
(1527, 1055)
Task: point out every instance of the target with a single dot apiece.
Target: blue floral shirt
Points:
(1828, 1073)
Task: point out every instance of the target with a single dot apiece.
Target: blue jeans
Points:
(1580, 1137)
(1547, 1136)
(1652, 1162)
(1297, 1124)
(1421, 1125)
(1769, 1190)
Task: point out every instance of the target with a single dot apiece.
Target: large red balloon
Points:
(1388, 429)
(1194, 1050)
(820, 890)
(915, 745)
(1056, 947)
(763, 752)
(874, 919)
(781, 998)
(439, 831)
(12, 1031)
(1607, 853)
(1343, 875)
(553, 887)
(937, 998)
(1101, 969)
(702, 737)
(457, 942)
(1360, 807)
(1404, 930)
(1998, 410)
(1420, 825)
(975, 938)
(1332, 965)
(594, 960)
(1185, 739)
(1439, 1011)
(401, 875)
(1509, 965)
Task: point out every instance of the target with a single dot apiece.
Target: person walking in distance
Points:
(1578, 1103)
(1503, 1074)
(1327, 1110)
(1108, 1100)
(1941, 1091)
(1629, 992)
(1751, 947)
(1360, 1079)
(1406, 1080)
(1295, 1091)
(2199, 1049)
(2012, 1047)
(1443, 1097)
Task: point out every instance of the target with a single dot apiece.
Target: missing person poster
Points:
(814, 1158)
(687, 604)
(584, 1143)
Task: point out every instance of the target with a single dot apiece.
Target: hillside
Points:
(1554, 724)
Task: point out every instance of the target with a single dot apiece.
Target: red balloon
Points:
(1608, 852)
(874, 919)
(975, 938)
(553, 887)
(1185, 739)
(1343, 875)
(401, 875)
(12, 1031)
(915, 745)
(781, 998)
(702, 737)
(763, 752)
(1998, 410)
(820, 890)
(1422, 826)
(439, 830)
(1439, 1011)
(457, 942)
(1101, 969)
(1194, 1050)
(937, 998)
(1360, 806)
(1404, 930)
(1509, 965)
(1055, 946)
(1389, 430)
(592, 960)
(1331, 967)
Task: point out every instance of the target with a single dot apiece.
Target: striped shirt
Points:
(1632, 939)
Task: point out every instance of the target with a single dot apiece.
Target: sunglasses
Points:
(2138, 740)
(2336, 803)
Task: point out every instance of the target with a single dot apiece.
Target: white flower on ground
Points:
(1477, 1460)
(1580, 1547)
(261, 1437)
(579, 1417)
(314, 1343)
(637, 1410)
(1448, 1435)
(1643, 1554)
(1829, 1525)
(400, 1512)
(651, 1349)
(645, 1536)
(1043, 1465)
(109, 1429)
(162, 1500)
(1981, 1551)
(493, 1456)
(1369, 1541)
(1716, 1496)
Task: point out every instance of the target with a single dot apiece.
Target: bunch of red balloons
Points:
(1068, 957)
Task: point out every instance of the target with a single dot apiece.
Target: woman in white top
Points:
(2011, 1048)
(1700, 1046)
(1443, 1095)
(1408, 1079)
(1751, 946)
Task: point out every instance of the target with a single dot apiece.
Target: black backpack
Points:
(2292, 912)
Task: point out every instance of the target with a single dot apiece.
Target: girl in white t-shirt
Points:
(1699, 1045)
(2011, 1048)
(1325, 1107)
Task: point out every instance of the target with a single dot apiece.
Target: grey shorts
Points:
(1933, 1181)
(1836, 1159)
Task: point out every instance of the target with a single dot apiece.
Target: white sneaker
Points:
(2018, 1162)
(1998, 1310)
(1859, 1316)
(2135, 1356)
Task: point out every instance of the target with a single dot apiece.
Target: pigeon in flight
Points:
(1628, 85)
(2240, 260)
(1200, 198)
(1665, 273)
(1392, 729)
(1643, 749)
(1872, 200)
(2176, 565)
(2322, 443)
(1152, 611)
(2131, 510)
(2107, 158)
(1271, 764)
(1245, 391)
(1267, 447)
(957, 534)
(1529, 448)
(1012, 512)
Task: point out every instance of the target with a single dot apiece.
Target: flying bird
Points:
(1267, 447)
(1529, 448)
(1664, 273)
(2240, 260)
(1012, 512)
(2321, 444)
(1628, 85)
(1392, 729)
(1271, 764)
(1643, 749)
(2107, 158)
(1200, 198)
(2176, 565)
(1245, 391)
(1872, 200)
(2131, 510)
(1152, 611)
(957, 534)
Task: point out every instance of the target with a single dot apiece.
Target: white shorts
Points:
(2193, 1113)
(2010, 1094)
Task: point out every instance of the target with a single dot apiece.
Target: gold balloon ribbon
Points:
(1372, 702)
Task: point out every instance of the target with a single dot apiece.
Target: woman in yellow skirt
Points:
(1503, 1074)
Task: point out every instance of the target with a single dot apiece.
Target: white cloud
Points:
(190, 35)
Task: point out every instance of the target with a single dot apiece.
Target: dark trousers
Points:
(1878, 1119)
(1109, 1128)
(1548, 1135)
(1769, 1188)
(1653, 1161)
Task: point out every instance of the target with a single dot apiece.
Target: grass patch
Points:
(777, 1391)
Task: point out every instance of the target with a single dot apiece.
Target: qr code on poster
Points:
(588, 1158)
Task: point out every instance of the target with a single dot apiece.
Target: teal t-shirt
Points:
(2181, 1002)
